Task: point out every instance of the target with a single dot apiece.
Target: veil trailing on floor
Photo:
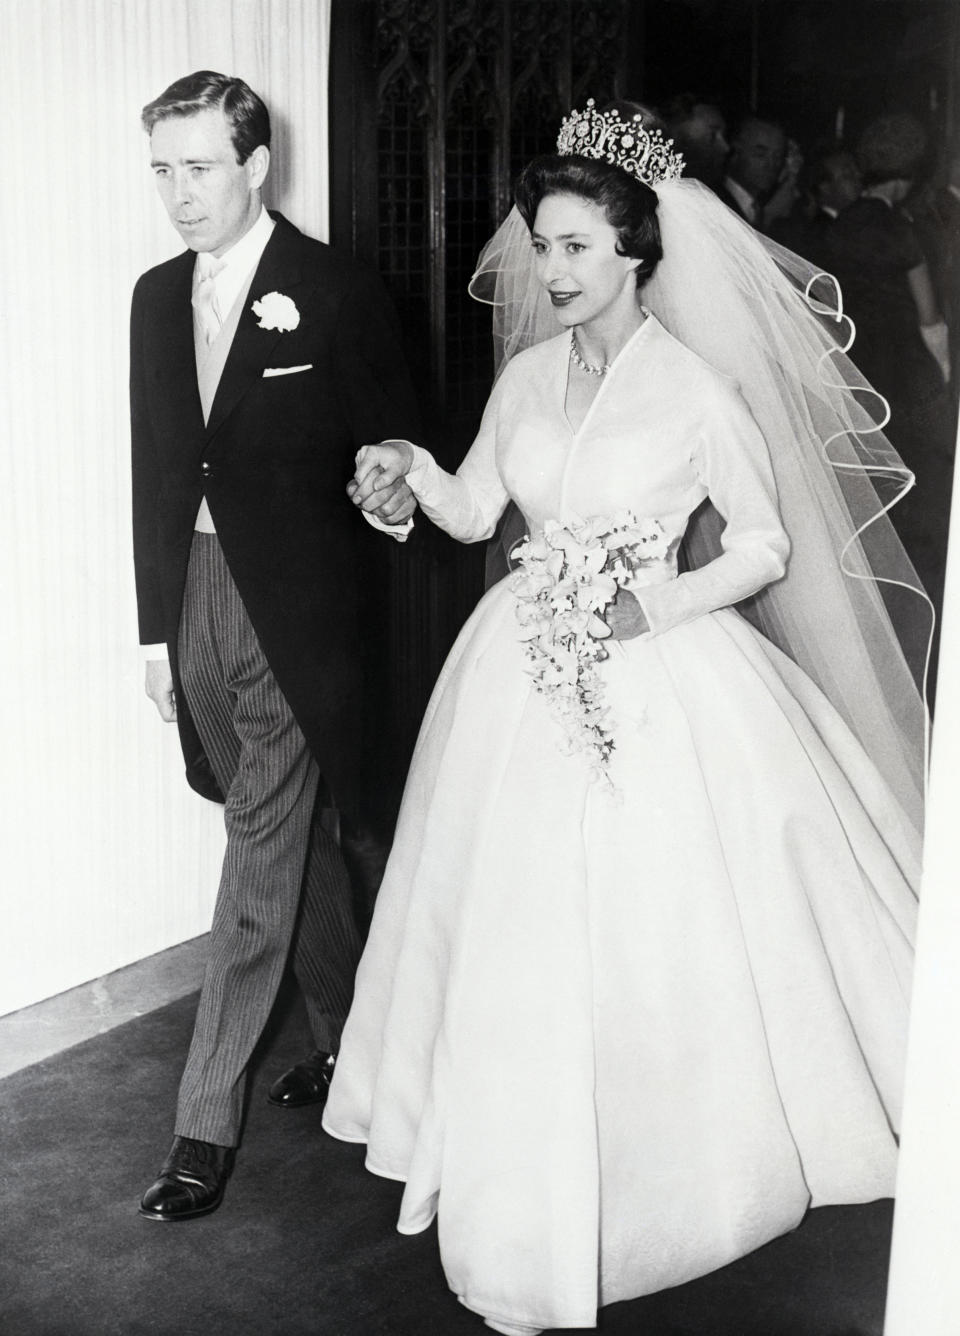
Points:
(850, 610)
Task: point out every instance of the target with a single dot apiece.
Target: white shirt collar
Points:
(245, 254)
(239, 262)
(876, 192)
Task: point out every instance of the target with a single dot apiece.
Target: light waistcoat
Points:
(211, 359)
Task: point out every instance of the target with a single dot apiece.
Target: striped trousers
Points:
(284, 889)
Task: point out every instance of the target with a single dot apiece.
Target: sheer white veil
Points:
(850, 610)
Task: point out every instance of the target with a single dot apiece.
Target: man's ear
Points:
(257, 166)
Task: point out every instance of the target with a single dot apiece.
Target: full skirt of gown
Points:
(615, 1039)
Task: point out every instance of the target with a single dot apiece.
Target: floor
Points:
(305, 1243)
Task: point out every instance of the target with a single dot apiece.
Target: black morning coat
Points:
(273, 462)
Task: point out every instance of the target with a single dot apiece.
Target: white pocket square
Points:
(286, 370)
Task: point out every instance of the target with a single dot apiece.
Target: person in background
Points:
(829, 182)
(835, 180)
(901, 345)
(259, 361)
(699, 131)
(936, 213)
(760, 182)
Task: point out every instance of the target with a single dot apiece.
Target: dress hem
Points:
(539, 1325)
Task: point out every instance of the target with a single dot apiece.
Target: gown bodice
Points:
(664, 432)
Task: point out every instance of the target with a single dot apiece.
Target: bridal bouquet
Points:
(566, 577)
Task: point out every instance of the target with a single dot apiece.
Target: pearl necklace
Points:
(577, 360)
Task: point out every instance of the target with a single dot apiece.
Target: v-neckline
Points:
(565, 377)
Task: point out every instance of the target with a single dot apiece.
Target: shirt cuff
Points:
(400, 532)
(149, 652)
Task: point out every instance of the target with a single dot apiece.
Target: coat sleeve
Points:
(370, 366)
(731, 460)
(145, 479)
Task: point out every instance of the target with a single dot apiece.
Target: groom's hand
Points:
(393, 503)
(379, 485)
(379, 467)
(159, 687)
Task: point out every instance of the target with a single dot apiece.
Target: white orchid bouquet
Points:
(566, 578)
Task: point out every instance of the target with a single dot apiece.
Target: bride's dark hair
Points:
(629, 206)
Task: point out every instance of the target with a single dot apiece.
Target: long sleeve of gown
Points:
(466, 504)
(731, 460)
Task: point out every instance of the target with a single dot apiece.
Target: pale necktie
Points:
(204, 299)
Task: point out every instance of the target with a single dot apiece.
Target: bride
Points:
(630, 1007)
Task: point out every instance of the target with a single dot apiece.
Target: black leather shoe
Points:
(191, 1182)
(306, 1083)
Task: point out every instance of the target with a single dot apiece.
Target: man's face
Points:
(758, 155)
(841, 182)
(210, 197)
(704, 141)
(707, 128)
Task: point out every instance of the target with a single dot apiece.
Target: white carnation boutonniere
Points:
(276, 311)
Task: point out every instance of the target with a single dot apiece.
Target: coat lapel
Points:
(279, 270)
(176, 363)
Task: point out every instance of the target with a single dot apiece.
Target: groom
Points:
(260, 361)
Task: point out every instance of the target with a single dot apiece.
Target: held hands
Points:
(378, 485)
(625, 617)
(159, 687)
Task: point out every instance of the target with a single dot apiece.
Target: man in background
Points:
(831, 182)
(699, 131)
(936, 214)
(260, 361)
(761, 174)
(901, 343)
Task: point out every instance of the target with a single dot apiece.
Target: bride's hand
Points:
(379, 467)
(625, 617)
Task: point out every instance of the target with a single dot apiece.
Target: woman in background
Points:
(902, 343)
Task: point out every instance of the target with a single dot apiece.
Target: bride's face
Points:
(577, 260)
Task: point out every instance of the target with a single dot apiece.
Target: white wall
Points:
(105, 854)
(924, 1293)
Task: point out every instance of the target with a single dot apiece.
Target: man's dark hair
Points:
(630, 207)
(682, 106)
(751, 120)
(246, 114)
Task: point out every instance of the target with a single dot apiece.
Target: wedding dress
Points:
(615, 1036)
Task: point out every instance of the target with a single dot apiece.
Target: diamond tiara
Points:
(628, 144)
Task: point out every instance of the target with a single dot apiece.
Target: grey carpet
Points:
(304, 1244)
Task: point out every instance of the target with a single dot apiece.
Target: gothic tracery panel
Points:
(465, 92)
(469, 90)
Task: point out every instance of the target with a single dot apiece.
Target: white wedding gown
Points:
(615, 1041)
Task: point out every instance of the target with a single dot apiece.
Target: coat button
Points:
(205, 469)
